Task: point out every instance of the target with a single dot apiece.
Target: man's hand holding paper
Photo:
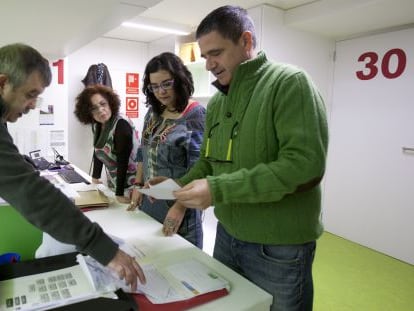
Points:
(162, 191)
(196, 194)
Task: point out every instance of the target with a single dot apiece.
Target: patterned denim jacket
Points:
(169, 147)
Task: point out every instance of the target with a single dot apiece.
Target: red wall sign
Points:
(132, 83)
(132, 107)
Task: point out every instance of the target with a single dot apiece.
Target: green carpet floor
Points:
(350, 277)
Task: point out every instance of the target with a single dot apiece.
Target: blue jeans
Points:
(191, 227)
(284, 271)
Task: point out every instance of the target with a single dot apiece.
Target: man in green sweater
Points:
(24, 74)
(262, 160)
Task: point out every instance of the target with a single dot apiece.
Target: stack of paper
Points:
(195, 278)
(91, 199)
(190, 284)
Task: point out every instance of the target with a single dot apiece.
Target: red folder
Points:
(145, 305)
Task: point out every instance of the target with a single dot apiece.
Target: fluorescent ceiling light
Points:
(156, 28)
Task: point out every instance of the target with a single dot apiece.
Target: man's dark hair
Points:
(229, 21)
(18, 61)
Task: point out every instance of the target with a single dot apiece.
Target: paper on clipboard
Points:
(162, 191)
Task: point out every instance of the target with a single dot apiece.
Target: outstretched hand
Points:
(127, 268)
(173, 220)
(136, 200)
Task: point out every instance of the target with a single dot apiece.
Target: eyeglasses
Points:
(95, 109)
(165, 85)
(229, 155)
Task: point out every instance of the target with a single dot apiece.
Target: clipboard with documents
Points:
(91, 199)
(190, 283)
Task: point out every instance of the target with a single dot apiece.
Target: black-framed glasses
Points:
(229, 155)
(165, 85)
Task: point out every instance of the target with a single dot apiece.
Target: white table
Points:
(115, 220)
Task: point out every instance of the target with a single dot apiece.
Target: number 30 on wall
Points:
(371, 61)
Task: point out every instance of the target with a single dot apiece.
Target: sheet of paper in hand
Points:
(162, 191)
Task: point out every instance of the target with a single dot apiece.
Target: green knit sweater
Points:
(264, 153)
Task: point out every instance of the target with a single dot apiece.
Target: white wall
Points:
(165, 44)
(369, 182)
(282, 44)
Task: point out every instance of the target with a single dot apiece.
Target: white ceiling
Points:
(59, 27)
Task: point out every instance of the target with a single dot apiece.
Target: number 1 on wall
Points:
(59, 64)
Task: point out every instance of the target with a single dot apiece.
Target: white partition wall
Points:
(370, 177)
(284, 44)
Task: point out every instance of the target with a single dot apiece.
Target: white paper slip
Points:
(162, 191)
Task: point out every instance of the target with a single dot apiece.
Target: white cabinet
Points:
(202, 79)
(190, 54)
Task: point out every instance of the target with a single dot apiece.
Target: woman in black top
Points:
(115, 139)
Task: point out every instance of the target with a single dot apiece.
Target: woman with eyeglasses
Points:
(171, 140)
(115, 139)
